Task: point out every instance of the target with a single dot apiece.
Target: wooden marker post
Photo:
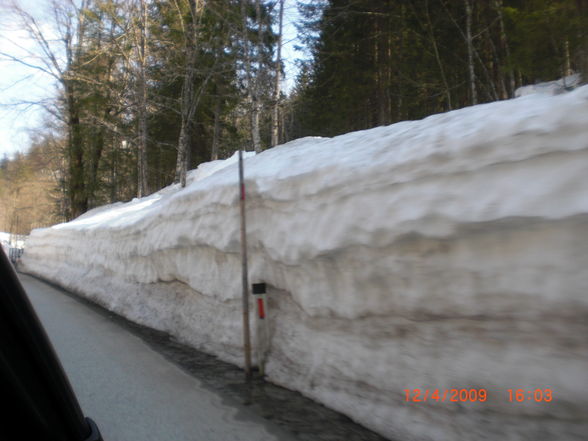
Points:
(244, 276)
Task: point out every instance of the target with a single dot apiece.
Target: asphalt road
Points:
(131, 391)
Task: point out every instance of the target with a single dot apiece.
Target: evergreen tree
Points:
(377, 62)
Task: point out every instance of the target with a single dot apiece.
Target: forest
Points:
(148, 89)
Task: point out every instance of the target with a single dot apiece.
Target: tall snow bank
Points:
(437, 254)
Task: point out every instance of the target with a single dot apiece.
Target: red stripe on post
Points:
(242, 192)
(260, 308)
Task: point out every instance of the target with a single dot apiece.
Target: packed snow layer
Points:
(556, 87)
(444, 253)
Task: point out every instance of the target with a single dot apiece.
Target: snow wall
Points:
(445, 253)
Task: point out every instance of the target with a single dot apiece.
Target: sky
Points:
(20, 84)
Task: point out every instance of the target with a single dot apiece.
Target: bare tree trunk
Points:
(275, 114)
(282, 134)
(187, 99)
(113, 168)
(77, 188)
(504, 42)
(256, 103)
(255, 110)
(501, 90)
(182, 158)
(495, 80)
(470, 46)
(400, 55)
(389, 78)
(248, 76)
(188, 111)
(472, 52)
(438, 57)
(142, 184)
(216, 132)
(584, 59)
(379, 80)
(567, 63)
(190, 97)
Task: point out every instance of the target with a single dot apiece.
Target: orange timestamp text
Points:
(475, 395)
(443, 395)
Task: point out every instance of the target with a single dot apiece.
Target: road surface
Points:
(131, 391)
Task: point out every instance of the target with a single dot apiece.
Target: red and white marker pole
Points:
(244, 275)
(259, 292)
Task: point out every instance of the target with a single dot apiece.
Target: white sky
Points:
(19, 83)
(289, 40)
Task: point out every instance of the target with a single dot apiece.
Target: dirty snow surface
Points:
(446, 253)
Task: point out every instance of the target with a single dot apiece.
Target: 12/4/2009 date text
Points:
(475, 395)
(454, 395)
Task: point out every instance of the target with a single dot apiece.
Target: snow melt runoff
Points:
(446, 253)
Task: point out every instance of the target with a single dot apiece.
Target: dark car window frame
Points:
(37, 396)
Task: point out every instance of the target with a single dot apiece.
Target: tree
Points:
(278, 77)
(148, 90)
(257, 43)
(141, 57)
(28, 189)
(62, 64)
(376, 62)
(470, 46)
(190, 95)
